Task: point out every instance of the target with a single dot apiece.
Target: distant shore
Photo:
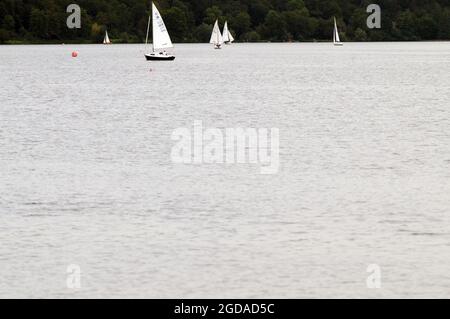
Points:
(81, 42)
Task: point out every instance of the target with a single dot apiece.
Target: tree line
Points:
(44, 21)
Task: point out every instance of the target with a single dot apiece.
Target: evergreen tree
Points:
(249, 20)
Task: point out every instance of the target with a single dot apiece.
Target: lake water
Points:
(87, 177)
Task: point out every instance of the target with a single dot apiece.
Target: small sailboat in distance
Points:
(216, 36)
(161, 38)
(336, 40)
(106, 40)
(227, 36)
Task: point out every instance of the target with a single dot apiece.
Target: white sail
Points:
(227, 36)
(106, 39)
(336, 33)
(161, 38)
(230, 36)
(216, 36)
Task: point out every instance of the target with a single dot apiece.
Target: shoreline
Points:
(19, 43)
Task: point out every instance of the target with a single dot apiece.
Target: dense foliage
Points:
(250, 20)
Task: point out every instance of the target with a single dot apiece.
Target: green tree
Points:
(258, 10)
(96, 32)
(212, 14)
(275, 26)
(177, 23)
(296, 5)
(250, 20)
(360, 35)
(4, 36)
(203, 33)
(406, 24)
(8, 23)
(427, 27)
(241, 24)
(444, 24)
(298, 24)
(39, 24)
(251, 36)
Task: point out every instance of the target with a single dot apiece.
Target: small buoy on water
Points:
(74, 54)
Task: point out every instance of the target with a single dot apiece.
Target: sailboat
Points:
(227, 37)
(336, 40)
(216, 36)
(106, 39)
(161, 38)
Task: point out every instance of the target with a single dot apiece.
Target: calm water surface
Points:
(86, 176)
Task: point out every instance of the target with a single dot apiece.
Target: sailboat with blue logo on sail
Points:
(161, 38)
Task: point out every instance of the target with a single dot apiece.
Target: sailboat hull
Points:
(157, 57)
(338, 44)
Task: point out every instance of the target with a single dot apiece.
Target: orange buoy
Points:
(74, 54)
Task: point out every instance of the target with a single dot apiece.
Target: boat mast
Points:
(334, 30)
(153, 28)
(148, 30)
